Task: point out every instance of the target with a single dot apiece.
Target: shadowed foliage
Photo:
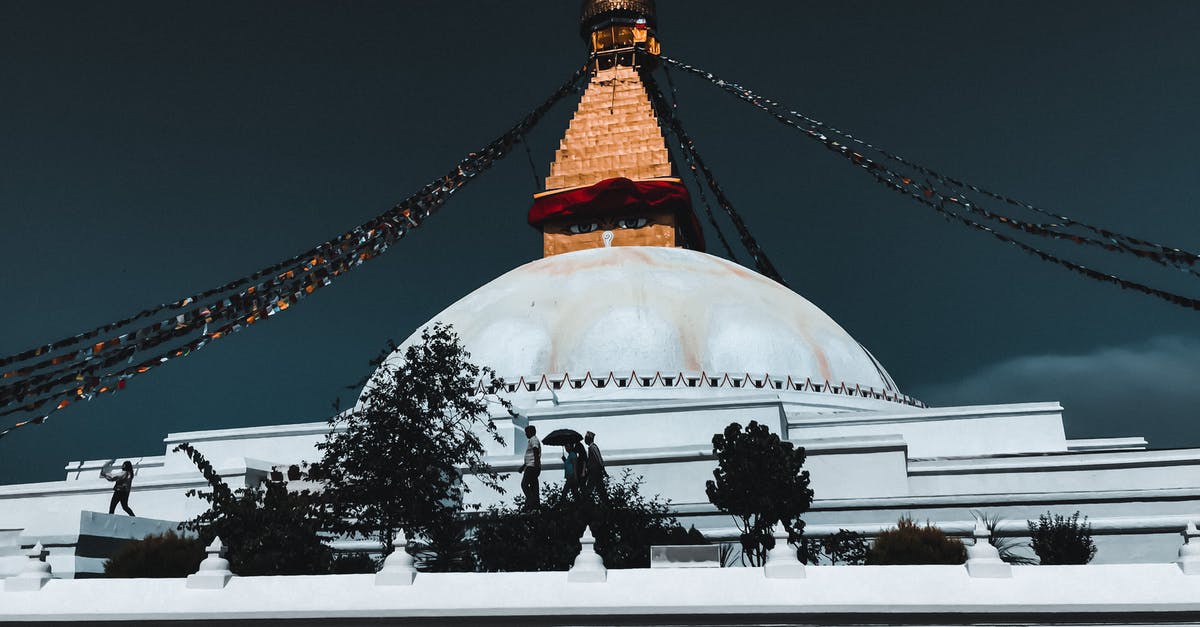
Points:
(394, 461)
(759, 480)
(624, 521)
(843, 547)
(267, 529)
(910, 543)
(165, 555)
(1058, 539)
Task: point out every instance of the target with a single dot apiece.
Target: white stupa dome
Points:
(657, 312)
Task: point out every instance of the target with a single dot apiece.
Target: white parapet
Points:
(1116, 594)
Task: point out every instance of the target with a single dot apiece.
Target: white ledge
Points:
(1101, 593)
(1080, 460)
(932, 414)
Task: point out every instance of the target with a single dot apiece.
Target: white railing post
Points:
(983, 559)
(214, 571)
(398, 568)
(589, 566)
(1189, 553)
(33, 575)
(782, 561)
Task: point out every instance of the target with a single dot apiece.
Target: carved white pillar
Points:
(33, 575)
(589, 566)
(983, 560)
(782, 561)
(398, 568)
(214, 571)
(1189, 553)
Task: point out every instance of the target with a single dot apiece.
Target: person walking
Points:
(595, 472)
(532, 468)
(572, 468)
(123, 479)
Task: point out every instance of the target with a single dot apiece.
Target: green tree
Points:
(624, 521)
(395, 460)
(165, 555)
(910, 543)
(268, 529)
(759, 480)
(1060, 540)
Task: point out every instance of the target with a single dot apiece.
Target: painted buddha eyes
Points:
(623, 223)
(584, 228)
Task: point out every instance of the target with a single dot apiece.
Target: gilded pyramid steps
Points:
(613, 133)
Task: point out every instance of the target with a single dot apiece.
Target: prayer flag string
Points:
(696, 163)
(1118, 242)
(708, 212)
(925, 190)
(104, 367)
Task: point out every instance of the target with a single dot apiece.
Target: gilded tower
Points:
(612, 182)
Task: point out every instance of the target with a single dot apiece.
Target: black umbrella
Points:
(562, 437)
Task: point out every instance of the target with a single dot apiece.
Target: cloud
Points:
(1149, 389)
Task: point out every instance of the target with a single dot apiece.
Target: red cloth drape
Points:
(621, 197)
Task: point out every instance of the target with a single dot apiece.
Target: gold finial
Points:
(617, 24)
(599, 10)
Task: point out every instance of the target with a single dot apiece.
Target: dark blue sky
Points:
(149, 150)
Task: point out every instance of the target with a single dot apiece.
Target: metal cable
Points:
(761, 262)
(928, 195)
(104, 368)
(1116, 242)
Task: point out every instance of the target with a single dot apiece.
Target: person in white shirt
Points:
(532, 468)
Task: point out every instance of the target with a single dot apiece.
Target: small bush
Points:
(844, 547)
(625, 522)
(1060, 540)
(353, 564)
(157, 556)
(910, 543)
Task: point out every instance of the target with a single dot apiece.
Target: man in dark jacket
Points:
(595, 473)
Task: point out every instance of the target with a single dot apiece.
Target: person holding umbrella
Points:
(573, 457)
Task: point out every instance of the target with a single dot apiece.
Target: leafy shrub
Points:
(268, 530)
(394, 462)
(624, 521)
(158, 556)
(844, 547)
(910, 543)
(759, 480)
(1060, 540)
(446, 548)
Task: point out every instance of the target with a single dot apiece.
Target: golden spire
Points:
(612, 182)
